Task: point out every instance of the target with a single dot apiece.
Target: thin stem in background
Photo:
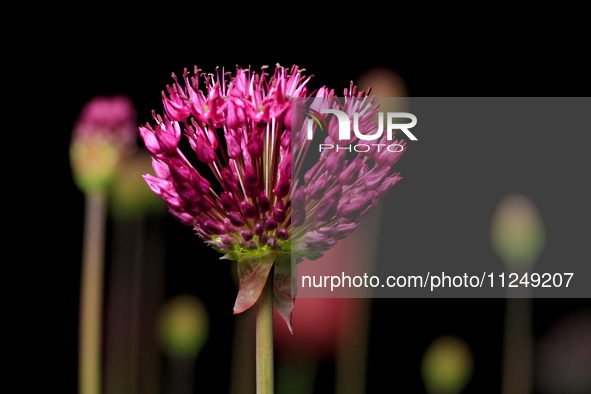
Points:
(518, 347)
(91, 295)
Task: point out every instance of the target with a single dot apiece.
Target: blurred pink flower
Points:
(103, 135)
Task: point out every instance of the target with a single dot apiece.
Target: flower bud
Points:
(236, 219)
(251, 182)
(248, 210)
(263, 203)
(283, 234)
(247, 235)
(229, 180)
(270, 223)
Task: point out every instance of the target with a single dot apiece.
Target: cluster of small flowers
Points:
(261, 217)
(337, 193)
(252, 211)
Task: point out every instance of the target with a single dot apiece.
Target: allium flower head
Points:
(245, 128)
(103, 135)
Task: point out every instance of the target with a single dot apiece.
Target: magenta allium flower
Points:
(103, 135)
(241, 128)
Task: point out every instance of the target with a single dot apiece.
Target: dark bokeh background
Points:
(65, 70)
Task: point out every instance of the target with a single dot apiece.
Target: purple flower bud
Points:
(156, 184)
(251, 182)
(179, 170)
(369, 208)
(161, 169)
(329, 205)
(192, 209)
(264, 203)
(228, 202)
(262, 240)
(285, 166)
(247, 235)
(229, 239)
(236, 219)
(150, 140)
(351, 173)
(199, 183)
(282, 187)
(316, 190)
(335, 162)
(236, 117)
(247, 209)
(229, 180)
(234, 150)
(340, 231)
(255, 144)
(258, 229)
(214, 227)
(387, 158)
(201, 146)
(186, 192)
(270, 223)
(286, 138)
(298, 199)
(279, 211)
(312, 237)
(251, 245)
(230, 228)
(203, 203)
(174, 106)
(182, 216)
(374, 179)
(283, 234)
(355, 206)
(385, 187)
(172, 198)
(167, 140)
(298, 218)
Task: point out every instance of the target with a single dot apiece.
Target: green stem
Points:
(264, 338)
(91, 295)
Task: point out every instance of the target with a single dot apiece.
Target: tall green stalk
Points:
(264, 339)
(91, 295)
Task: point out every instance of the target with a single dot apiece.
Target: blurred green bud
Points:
(93, 164)
(447, 365)
(183, 327)
(517, 232)
(130, 192)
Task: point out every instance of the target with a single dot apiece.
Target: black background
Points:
(58, 72)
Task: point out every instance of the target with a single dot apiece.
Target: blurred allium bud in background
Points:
(103, 135)
(447, 365)
(517, 232)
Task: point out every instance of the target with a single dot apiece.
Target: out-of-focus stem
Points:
(351, 358)
(264, 339)
(518, 347)
(91, 291)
